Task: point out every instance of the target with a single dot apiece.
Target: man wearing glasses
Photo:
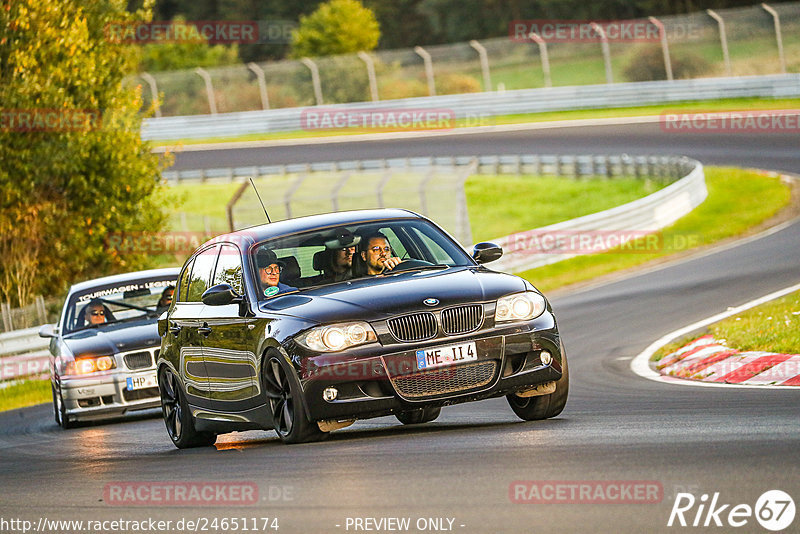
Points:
(95, 312)
(377, 255)
(269, 271)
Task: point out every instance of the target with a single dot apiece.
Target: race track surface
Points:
(616, 426)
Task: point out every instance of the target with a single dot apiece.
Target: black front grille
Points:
(462, 319)
(416, 327)
(446, 380)
(138, 394)
(138, 360)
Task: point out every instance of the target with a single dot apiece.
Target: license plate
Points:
(141, 382)
(441, 356)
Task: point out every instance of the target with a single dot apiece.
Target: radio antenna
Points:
(259, 199)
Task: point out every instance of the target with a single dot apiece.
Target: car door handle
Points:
(174, 329)
(205, 330)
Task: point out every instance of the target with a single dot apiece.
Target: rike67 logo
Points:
(774, 510)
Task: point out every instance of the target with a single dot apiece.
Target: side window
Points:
(183, 285)
(229, 269)
(201, 274)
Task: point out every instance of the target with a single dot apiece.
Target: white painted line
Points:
(641, 363)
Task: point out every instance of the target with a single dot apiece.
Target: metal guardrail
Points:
(479, 108)
(634, 220)
(23, 353)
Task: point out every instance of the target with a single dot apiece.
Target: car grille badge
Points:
(430, 302)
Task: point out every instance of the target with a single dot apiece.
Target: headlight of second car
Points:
(87, 365)
(336, 337)
(519, 307)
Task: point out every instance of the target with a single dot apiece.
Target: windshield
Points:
(126, 301)
(335, 255)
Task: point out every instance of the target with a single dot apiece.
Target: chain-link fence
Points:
(731, 42)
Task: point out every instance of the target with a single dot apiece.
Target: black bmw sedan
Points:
(306, 325)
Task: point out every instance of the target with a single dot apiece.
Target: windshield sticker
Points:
(121, 289)
(270, 291)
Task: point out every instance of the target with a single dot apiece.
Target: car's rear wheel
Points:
(286, 403)
(420, 415)
(544, 406)
(177, 416)
(60, 411)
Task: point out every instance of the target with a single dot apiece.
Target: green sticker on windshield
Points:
(270, 291)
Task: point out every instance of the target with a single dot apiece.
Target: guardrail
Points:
(479, 108)
(23, 354)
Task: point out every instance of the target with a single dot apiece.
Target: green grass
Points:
(729, 104)
(737, 201)
(541, 200)
(771, 327)
(25, 393)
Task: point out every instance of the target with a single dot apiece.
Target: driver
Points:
(377, 254)
(94, 312)
(166, 299)
(269, 272)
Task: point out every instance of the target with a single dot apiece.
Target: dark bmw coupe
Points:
(306, 325)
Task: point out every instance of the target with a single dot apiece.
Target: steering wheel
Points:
(409, 264)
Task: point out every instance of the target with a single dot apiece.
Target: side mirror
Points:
(48, 330)
(220, 295)
(486, 252)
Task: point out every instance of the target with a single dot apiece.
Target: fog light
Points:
(330, 394)
(545, 357)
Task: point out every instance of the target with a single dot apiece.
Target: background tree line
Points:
(406, 23)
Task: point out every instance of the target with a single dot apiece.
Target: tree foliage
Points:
(82, 173)
(336, 27)
(178, 55)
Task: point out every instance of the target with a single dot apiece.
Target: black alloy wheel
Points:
(177, 417)
(286, 404)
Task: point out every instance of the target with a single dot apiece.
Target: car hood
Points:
(113, 338)
(387, 296)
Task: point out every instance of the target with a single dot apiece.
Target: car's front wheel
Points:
(59, 410)
(286, 403)
(420, 415)
(544, 406)
(177, 417)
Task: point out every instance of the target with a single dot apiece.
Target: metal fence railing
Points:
(747, 42)
(478, 109)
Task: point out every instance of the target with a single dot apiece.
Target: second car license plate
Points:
(141, 382)
(441, 356)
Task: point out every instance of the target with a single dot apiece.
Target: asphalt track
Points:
(616, 426)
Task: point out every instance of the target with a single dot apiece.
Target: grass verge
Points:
(728, 104)
(25, 393)
(738, 200)
(772, 327)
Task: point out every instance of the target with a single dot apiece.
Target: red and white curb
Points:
(710, 360)
(740, 370)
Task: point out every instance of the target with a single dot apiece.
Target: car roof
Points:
(170, 272)
(256, 234)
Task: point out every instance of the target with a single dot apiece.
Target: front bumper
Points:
(373, 386)
(97, 397)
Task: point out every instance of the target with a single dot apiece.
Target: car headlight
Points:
(519, 307)
(84, 366)
(336, 337)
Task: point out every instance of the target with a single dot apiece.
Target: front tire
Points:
(544, 406)
(177, 416)
(60, 411)
(418, 416)
(286, 402)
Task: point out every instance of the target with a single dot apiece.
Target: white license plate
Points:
(441, 356)
(141, 382)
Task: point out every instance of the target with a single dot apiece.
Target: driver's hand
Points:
(391, 263)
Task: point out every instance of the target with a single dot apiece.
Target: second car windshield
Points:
(128, 301)
(333, 255)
